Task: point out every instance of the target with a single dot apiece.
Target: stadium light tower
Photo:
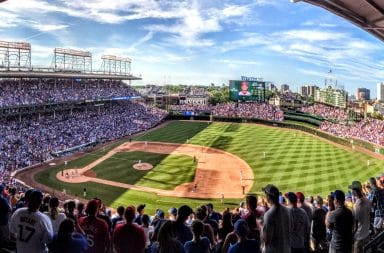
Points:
(15, 55)
(72, 60)
(115, 65)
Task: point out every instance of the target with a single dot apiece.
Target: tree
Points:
(219, 95)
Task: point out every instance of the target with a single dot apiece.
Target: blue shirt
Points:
(248, 246)
(201, 246)
(183, 233)
(74, 243)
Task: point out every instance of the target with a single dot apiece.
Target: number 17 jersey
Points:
(33, 231)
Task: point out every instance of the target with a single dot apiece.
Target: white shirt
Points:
(361, 213)
(33, 231)
(147, 231)
(56, 222)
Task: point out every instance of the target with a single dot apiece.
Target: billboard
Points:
(241, 90)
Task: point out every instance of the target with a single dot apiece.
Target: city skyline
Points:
(203, 42)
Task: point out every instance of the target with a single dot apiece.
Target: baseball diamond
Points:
(290, 158)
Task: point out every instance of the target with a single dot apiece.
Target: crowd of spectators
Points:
(42, 91)
(195, 109)
(371, 130)
(235, 110)
(249, 110)
(327, 112)
(35, 222)
(35, 138)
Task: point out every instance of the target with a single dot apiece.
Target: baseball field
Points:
(292, 160)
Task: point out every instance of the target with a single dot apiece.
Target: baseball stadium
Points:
(78, 135)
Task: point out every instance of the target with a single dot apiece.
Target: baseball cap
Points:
(356, 185)
(140, 207)
(241, 227)
(160, 213)
(173, 211)
(339, 195)
(36, 196)
(291, 196)
(300, 196)
(270, 189)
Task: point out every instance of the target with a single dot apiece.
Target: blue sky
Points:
(202, 41)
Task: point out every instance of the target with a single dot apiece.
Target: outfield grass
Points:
(294, 161)
(168, 172)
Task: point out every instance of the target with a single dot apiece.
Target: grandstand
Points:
(47, 112)
(49, 117)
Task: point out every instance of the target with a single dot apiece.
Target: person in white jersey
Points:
(31, 228)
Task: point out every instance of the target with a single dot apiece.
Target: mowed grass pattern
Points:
(294, 161)
(168, 172)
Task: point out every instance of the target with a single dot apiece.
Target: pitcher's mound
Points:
(142, 166)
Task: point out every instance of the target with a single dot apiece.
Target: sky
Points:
(199, 42)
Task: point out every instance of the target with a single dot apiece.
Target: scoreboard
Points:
(240, 90)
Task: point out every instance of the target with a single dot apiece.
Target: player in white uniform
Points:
(31, 228)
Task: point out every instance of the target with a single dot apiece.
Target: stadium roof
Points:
(367, 14)
(46, 74)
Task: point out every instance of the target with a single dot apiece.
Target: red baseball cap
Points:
(300, 196)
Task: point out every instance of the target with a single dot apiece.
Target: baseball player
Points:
(31, 228)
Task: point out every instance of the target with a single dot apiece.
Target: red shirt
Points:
(96, 232)
(129, 238)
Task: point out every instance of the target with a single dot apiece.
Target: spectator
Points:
(167, 241)
(198, 244)
(140, 212)
(277, 226)
(118, 218)
(5, 211)
(160, 221)
(183, 232)
(172, 213)
(148, 230)
(318, 233)
(226, 225)
(95, 229)
(308, 210)
(80, 210)
(129, 237)
(54, 215)
(244, 245)
(377, 198)
(31, 228)
(361, 213)
(341, 222)
(67, 240)
(300, 224)
(212, 214)
(251, 217)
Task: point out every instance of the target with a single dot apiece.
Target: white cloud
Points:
(317, 24)
(312, 35)
(235, 11)
(237, 62)
(8, 19)
(48, 27)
